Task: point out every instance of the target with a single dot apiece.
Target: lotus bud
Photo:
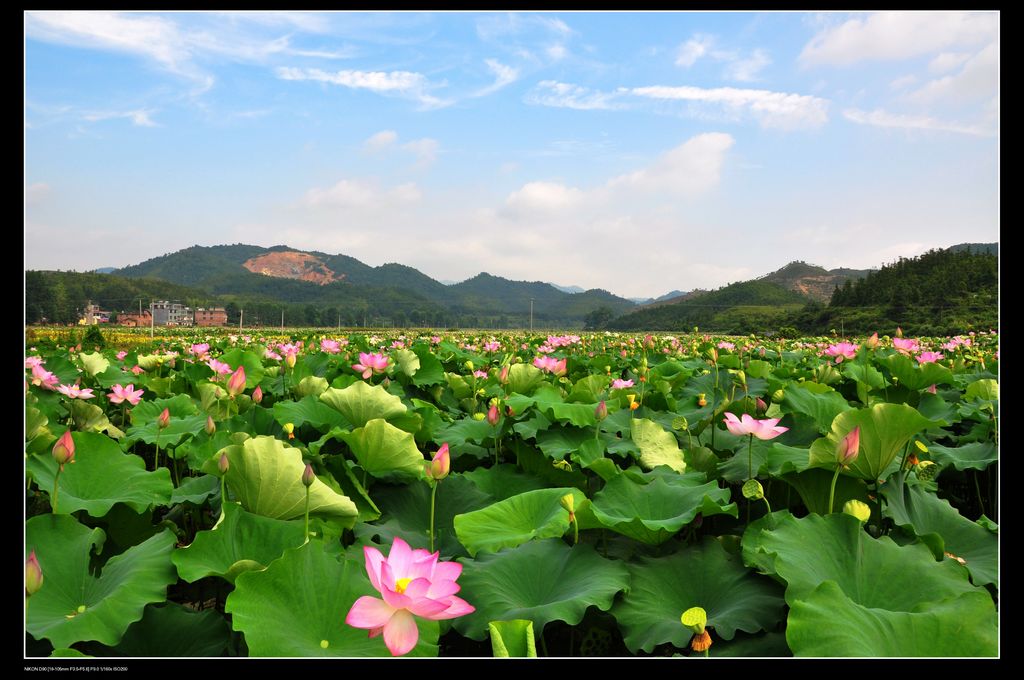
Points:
(695, 618)
(289, 429)
(858, 509)
(236, 383)
(308, 475)
(493, 415)
(33, 574)
(899, 332)
(849, 447)
(601, 412)
(257, 394)
(872, 342)
(64, 449)
(223, 464)
(288, 359)
(211, 427)
(469, 365)
(164, 420)
(440, 465)
(503, 375)
(926, 470)
(760, 405)
(752, 490)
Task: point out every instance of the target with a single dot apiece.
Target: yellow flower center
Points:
(401, 584)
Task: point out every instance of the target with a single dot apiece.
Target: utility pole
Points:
(241, 312)
(282, 319)
(531, 315)
(152, 319)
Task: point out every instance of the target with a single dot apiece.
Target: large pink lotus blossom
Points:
(842, 350)
(120, 394)
(290, 351)
(370, 364)
(200, 350)
(492, 346)
(620, 384)
(329, 346)
(412, 583)
(32, 362)
(271, 354)
(43, 378)
(76, 392)
(762, 429)
(551, 365)
(928, 357)
(218, 367)
(726, 345)
(905, 345)
(480, 374)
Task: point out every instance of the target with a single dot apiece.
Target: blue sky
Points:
(635, 152)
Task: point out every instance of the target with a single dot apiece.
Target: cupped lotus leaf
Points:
(383, 450)
(309, 410)
(179, 406)
(865, 373)
(884, 430)
(35, 423)
(360, 403)
(94, 363)
(239, 542)
(661, 588)
(524, 379)
(430, 372)
(297, 607)
(942, 528)
(657, 446)
(516, 520)
(548, 399)
(250, 360)
(590, 389)
(986, 390)
(407, 361)
(100, 476)
(652, 513)
(512, 638)
(90, 418)
(405, 513)
(148, 362)
(820, 402)
(74, 603)
(266, 477)
(503, 481)
(874, 573)
(540, 581)
(827, 622)
(311, 386)
(172, 435)
(916, 377)
(195, 634)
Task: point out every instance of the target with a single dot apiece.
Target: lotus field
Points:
(464, 494)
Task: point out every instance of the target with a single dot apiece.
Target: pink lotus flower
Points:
(120, 395)
(218, 367)
(75, 392)
(43, 378)
(370, 364)
(842, 350)
(551, 365)
(121, 355)
(257, 394)
(289, 351)
(931, 389)
(64, 449)
(32, 362)
(329, 346)
(905, 345)
(620, 384)
(137, 370)
(928, 357)
(849, 447)
(440, 465)
(236, 383)
(492, 346)
(271, 354)
(726, 345)
(412, 583)
(492, 414)
(762, 429)
(200, 349)
(480, 374)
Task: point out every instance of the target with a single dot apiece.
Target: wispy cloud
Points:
(139, 117)
(978, 79)
(771, 109)
(359, 194)
(405, 83)
(503, 75)
(693, 49)
(380, 141)
(898, 35)
(425, 149)
(738, 66)
(747, 69)
(881, 118)
(36, 192)
(569, 96)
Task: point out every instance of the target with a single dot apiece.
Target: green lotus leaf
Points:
(590, 389)
(815, 485)
(343, 479)
(528, 429)
(430, 372)
(985, 389)
(266, 477)
(461, 431)
(657, 446)
(973, 456)
(100, 476)
(407, 361)
(250, 360)
(406, 514)
(75, 603)
(765, 458)
(820, 402)
(827, 622)
(297, 607)
(559, 442)
(66, 652)
(195, 634)
(653, 512)
(524, 379)
(918, 377)
(383, 450)
(172, 435)
(548, 399)
(943, 529)
(516, 520)
(179, 406)
(884, 430)
(196, 490)
(540, 581)
(360, 403)
(503, 481)
(874, 573)
(706, 576)
(512, 638)
(309, 410)
(35, 423)
(764, 645)
(90, 418)
(94, 363)
(311, 386)
(240, 541)
(863, 373)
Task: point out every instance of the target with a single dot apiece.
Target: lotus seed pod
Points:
(695, 618)
(752, 490)
(568, 502)
(778, 396)
(289, 429)
(479, 415)
(680, 423)
(926, 470)
(469, 365)
(858, 509)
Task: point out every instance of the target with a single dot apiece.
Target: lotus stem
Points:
(56, 489)
(223, 492)
(977, 490)
(306, 533)
(433, 496)
(832, 490)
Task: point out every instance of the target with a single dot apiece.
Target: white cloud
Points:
(566, 95)
(747, 70)
(35, 193)
(380, 141)
(503, 75)
(693, 49)
(405, 83)
(691, 168)
(903, 82)
(557, 52)
(424, 149)
(978, 79)
(544, 196)
(771, 109)
(360, 194)
(947, 61)
(138, 117)
(898, 35)
(881, 118)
